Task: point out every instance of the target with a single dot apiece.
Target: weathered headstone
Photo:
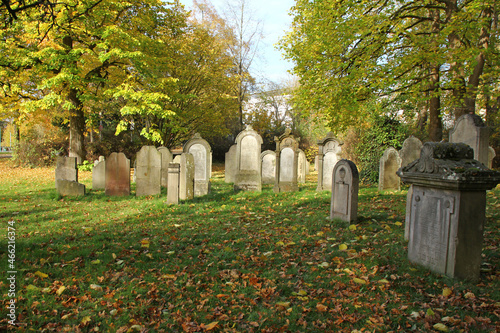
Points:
(230, 165)
(268, 158)
(69, 187)
(345, 187)
(389, 165)
(302, 165)
(248, 163)
(148, 171)
(202, 153)
(410, 150)
(186, 175)
(471, 130)
(66, 169)
(166, 159)
(447, 209)
(287, 156)
(328, 156)
(491, 156)
(99, 175)
(173, 183)
(101, 158)
(117, 175)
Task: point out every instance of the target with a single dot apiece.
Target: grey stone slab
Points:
(202, 154)
(390, 162)
(66, 169)
(471, 130)
(69, 188)
(117, 175)
(148, 181)
(230, 165)
(173, 183)
(329, 150)
(186, 176)
(410, 150)
(99, 176)
(287, 156)
(268, 158)
(302, 165)
(248, 162)
(491, 156)
(166, 159)
(345, 188)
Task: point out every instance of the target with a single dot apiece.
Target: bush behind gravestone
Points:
(38, 147)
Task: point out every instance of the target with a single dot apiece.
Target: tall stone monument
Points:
(166, 158)
(202, 153)
(268, 158)
(248, 163)
(117, 175)
(471, 130)
(389, 165)
(230, 165)
(328, 155)
(287, 158)
(345, 188)
(447, 209)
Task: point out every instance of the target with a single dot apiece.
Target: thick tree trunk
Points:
(76, 128)
(435, 123)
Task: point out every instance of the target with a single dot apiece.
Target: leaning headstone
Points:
(287, 156)
(69, 187)
(117, 175)
(186, 175)
(148, 171)
(302, 165)
(166, 158)
(268, 158)
(471, 130)
(491, 156)
(328, 156)
(173, 183)
(99, 175)
(202, 153)
(410, 150)
(66, 169)
(230, 165)
(389, 165)
(345, 187)
(248, 163)
(448, 209)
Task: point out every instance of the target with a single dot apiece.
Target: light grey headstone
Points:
(69, 187)
(117, 175)
(186, 175)
(287, 162)
(287, 158)
(248, 162)
(410, 150)
(166, 159)
(389, 165)
(173, 183)
(491, 156)
(345, 187)
(301, 171)
(268, 158)
(66, 169)
(148, 171)
(230, 165)
(202, 154)
(471, 130)
(99, 176)
(328, 155)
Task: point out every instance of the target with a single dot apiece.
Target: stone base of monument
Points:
(70, 188)
(248, 181)
(286, 187)
(447, 205)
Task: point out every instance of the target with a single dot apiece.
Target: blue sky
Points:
(269, 64)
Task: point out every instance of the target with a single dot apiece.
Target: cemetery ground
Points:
(228, 262)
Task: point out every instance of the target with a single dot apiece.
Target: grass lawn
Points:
(227, 262)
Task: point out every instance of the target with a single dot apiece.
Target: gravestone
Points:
(471, 130)
(302, 165)
(316, 161)
(173, 183)
(447, 209)
(99, 175)
(101, 158)
(148, 171)
(268, 158)
(491, 156)
(66, 169)
(328, 155)
(230, 165)
(202, 153)
(117, 175)
(69, 187)
(287, 156)
(410, 150)
(389, 165)
(166, 158)
(248, 162)
(186, 175)
(345, 187)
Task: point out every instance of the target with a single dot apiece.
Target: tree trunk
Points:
(435, 123)
(76, 128)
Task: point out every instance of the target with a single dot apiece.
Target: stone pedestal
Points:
(447, 207)
(173, 183)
